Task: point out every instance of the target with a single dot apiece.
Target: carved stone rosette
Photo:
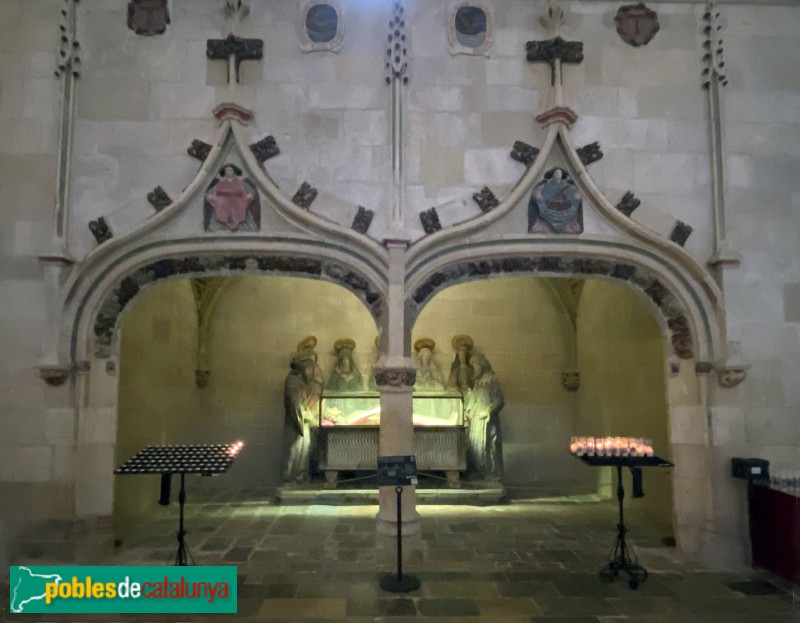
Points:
(395, 377)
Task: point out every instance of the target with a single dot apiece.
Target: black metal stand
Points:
(166, 486)
(183, 549)
(399, 583)
(205, 460)
(622, 560)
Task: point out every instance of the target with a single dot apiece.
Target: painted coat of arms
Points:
(636, 24)
(556, 206)
(231, 202)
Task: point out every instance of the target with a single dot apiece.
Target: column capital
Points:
(395, 375)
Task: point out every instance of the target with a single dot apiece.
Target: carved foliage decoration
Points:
(265, 149)
(665, 301)
(148, 17)
(396, 63)
(628, 204)
(713, 57)
(199, 149)
(69, 47)
(240, 49)
(552, 50)
(362, 220)
(158, 198)
(430, 221)
(486, 200)
(231, 203)
(100, 230)
(305, 196)
(636, 24)
(469, 27)
(524, 153)
(680, 233)
(589, 153)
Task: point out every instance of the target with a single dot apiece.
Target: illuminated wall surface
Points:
(513, 321)
(623, 385)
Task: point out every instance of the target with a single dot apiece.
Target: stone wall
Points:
(35, 453)
(514, 322)
(141, 100)
(623, 387)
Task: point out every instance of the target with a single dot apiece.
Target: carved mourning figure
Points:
(556, 206)
(461, 374)
(148, 17)
(429, 375)
(484, 450)
(301, 393)
(345, 376)
(231, 203)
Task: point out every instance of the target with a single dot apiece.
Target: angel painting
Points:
(231, 203)
(556, 206)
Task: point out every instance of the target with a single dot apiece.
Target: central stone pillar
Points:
(395, 373)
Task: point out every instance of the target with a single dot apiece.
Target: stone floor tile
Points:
(448, 607)
(583, 606)
(389, 607)
(297, 609)
(510, 606)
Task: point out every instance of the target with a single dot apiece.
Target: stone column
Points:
(394, 374)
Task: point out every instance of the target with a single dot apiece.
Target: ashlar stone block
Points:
(490, 166)
(105, 99)
(442, 166)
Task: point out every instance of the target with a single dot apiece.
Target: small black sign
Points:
(397, 471)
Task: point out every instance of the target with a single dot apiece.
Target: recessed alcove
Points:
(531, 330)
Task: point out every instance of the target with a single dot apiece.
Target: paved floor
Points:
(516, 563)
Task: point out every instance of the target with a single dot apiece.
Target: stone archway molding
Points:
(690, 318)
(97, 313)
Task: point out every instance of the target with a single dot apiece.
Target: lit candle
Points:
(573, 445)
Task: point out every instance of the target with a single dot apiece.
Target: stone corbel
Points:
(733, 370)
(201, 378)
(571, 380)
(731, 376)
(54, 375)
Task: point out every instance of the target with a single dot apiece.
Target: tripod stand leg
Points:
(183, 551)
